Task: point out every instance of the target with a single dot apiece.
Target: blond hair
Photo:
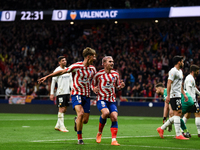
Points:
(105, 59)
(88, 51)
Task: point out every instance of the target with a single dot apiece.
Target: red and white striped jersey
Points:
(106, 83)
(82, 77)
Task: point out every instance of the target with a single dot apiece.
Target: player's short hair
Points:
(176, 59)
(105, 59)
(88, 51)
(160, 85)
(194, 68)
(60, 58)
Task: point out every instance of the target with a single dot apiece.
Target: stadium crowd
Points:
(92, 4)
(142, 52)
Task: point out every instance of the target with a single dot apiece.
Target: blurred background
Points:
(141, 44)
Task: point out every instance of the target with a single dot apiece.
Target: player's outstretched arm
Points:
(57, 73)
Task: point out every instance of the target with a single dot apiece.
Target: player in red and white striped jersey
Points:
(103, 84)
(82, 74)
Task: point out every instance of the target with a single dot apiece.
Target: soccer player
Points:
(64, 84)
(190, 87)
(103, 84)
(186, 106)
(82, 74)
(174, 90)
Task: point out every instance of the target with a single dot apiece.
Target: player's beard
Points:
(181, 66)
(90, 62)
(196, 74)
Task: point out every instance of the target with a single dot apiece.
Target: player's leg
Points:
(161, 129)
(177, 109)
(102, 107)
(197, 118)
(86, 108)
(184, 129)
(186, 117)
(62, 107)
(79, 122)
(77, 106)
(61, 113)
(62, 110)
(114, 126)
(171, 114)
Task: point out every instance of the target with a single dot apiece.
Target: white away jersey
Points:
(82, 77)
(64, 83)
(190, 86)
(106, 83)
(176, 76)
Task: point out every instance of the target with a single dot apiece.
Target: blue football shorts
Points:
(105, 104)
(81, 100)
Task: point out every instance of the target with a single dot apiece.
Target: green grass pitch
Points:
(36, 132)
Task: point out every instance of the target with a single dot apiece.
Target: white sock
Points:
(61, 119)
(185, 120)
(197, 122)
(113, 139)
(167, 123)
(177, 125)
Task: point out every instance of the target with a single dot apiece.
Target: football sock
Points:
(177, 125)
(197, 122)
(102, 123)
(183, 127)
(61, 119)
(185, 120)
(167, 123)
(79, 135)
(114, 130)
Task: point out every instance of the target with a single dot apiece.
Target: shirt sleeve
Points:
(188, 88)
(72, 68)
(53, 82)
(171, 75)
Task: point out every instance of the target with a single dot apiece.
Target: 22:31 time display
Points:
(28, 15)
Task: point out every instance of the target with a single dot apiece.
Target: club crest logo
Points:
(73, 15)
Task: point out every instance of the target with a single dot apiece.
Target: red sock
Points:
(79, 135)
(114, 132)
(101, 127)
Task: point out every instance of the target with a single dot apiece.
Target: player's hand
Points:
(96, 90)
(186, 98)
(52, 97)
(167, 99)
(122, 84)
(42, 80)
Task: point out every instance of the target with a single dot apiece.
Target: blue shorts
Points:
(105, 104)
(81, 100)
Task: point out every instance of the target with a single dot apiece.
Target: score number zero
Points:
(28, 15)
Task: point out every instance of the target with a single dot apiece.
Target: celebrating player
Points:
(103, 84)
(64, 83)
(82, 73)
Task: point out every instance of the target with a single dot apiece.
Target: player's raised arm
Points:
(57, 73)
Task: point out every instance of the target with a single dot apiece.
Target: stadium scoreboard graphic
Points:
(70, 15)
